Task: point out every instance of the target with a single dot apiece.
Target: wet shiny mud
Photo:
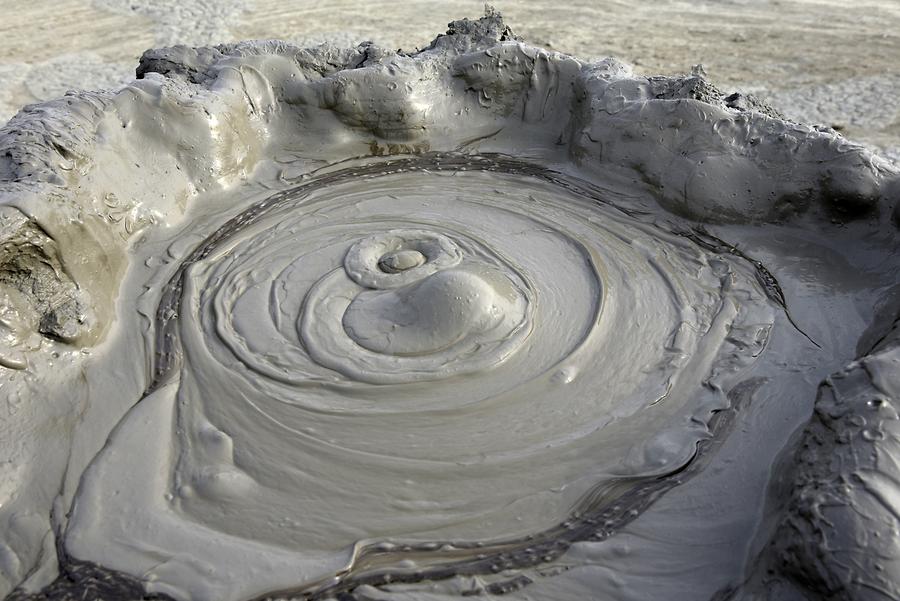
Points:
(538, 340)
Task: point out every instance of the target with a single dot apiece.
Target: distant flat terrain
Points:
(821, 61)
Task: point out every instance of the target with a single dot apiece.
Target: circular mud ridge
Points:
(347, 323)
(478, 379)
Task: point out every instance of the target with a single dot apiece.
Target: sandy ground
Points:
(821, 61)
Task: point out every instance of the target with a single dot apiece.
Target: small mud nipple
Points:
(484, 319)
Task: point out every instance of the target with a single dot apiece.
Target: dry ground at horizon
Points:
(819, 61)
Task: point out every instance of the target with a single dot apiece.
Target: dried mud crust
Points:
(29, 263)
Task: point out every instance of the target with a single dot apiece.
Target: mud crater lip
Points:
(266, 115)
(397, 261)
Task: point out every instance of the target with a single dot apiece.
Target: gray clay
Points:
(485, 318)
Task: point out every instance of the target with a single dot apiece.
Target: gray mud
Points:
(484, 318)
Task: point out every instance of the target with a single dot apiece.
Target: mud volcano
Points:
(483, 319)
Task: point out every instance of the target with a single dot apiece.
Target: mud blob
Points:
(400, 260)
(420, 320)
(478, 319)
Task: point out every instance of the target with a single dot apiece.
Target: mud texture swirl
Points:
(433, 350)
